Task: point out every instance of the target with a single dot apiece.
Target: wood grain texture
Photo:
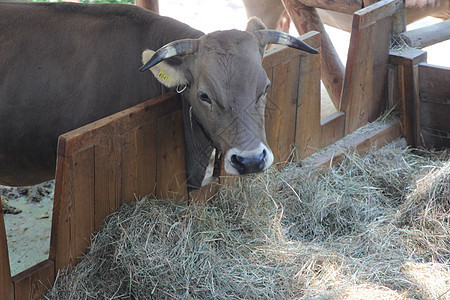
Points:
(434, 93)
(121, 122)
(427, 36)
(171, 161)
(107, 179)
(34, 282)
(364, 91)
(146, 153)
(306, 19)
(332, 128)
(76, 217)
(6, 284)
(129, 166)
(343, 6)
(405, 87)
(281, 108)
(307, 127)
(375, 137)
(109, 162)
(378, 10)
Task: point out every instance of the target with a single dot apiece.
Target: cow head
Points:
(226, 88)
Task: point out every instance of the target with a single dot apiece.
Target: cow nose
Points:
(250, 164)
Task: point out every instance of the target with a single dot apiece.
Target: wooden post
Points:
(6, 284)
(364, 89)
(308, 130)
(152, 5)
(404, 85)
(307, 19)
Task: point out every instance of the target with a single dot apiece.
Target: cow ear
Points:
(255, 24)
(170, 76)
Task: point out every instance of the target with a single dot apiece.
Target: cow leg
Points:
(198, 148)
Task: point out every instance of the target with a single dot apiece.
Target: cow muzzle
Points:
(240, 162)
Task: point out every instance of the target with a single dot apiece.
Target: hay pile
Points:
(375, 227)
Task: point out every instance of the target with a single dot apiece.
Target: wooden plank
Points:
(365, 82)
(343, 6)
(332, 128)
(139, 168)
(434, 93)
(434, 80)
(129, 166)
(122, 122)
(406, 87)
(74, 222)
(358, 77)
(381, 42)
(60, 179)
(171, 162)
(306, 19)
(435, 139)
(277, 56)
(101, 164)
(361, 141)
(378, 11)
(34, 282)
(435, 115)
(108, 183)
(146, 153)
(281, 105)
(307, 127)
(6, 284)
(427, 36)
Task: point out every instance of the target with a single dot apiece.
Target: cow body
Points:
(65, 65)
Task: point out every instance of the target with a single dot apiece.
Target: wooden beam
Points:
(364, 89)
(307, 19)
(405, 89)
(343, 6)
(427, 36)
(374, 135)
(6, 284)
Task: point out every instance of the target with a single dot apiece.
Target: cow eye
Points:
(205, 97)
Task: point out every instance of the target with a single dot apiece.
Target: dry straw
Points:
(374, 227)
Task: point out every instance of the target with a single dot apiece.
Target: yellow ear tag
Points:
(163, 76)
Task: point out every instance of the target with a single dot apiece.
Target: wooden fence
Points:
(420, 90)
(140, 151)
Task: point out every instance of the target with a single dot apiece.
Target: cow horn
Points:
(175, 48)
(267, 36)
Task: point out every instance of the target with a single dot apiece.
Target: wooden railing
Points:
(140, 151)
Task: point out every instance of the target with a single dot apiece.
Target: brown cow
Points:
(64, 65)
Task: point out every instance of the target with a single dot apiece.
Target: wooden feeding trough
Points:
(140, 151)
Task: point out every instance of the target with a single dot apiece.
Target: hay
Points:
(375, 226)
